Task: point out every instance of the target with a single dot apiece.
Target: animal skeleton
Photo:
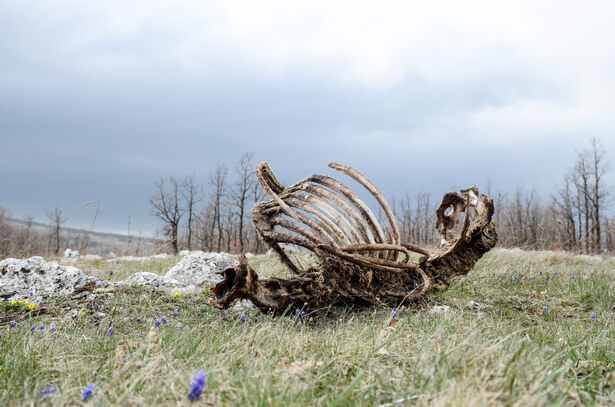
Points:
(359, 260)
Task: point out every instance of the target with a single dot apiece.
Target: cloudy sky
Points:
(100, 99)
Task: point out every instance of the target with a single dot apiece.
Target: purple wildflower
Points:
(544, 309)
(179, 326)
(111, 272)
(110, 331)
(43, 392)
(31, 293)
(297, 311)
(593, 315)
(393, 314)
(87, 392)
(40, 303)
(302, 313)
(196, 388)
(540, 272)
(512, 279)
(572, 277)
(52, 327)
(157, 323)
(0, 335)
(175, 314)
(497, 310)
(51, 390)
(12, 324)
(554, 272)
(33, 328)
(42, 328)
(164, 320)
(243, 317)
(138, 320)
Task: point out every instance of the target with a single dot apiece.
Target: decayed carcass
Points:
(360, 261)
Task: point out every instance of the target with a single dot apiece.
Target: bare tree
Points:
(564, 201)
(582, 178)
(218, 181)
(246, 181)
(192, 193)
(229, 226)
(599, 193)
(57, 220)
(204, 228)
(166, 206)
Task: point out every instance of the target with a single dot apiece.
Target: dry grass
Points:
(471, 355)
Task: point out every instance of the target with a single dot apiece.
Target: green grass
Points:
(469, 356)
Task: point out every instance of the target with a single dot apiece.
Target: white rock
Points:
(92, 257)
(44, 279)
(70, 256)
(439, 309)
(160, 256)
(68, 253)
(201, 268)
(474, 304)
(242, 305)
(248, 255)
(164, 283)
(140, 258)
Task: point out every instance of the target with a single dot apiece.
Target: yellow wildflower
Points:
(176, 294)
(14, 302)
(31, 306)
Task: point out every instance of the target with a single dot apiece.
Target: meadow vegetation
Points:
(486, 340)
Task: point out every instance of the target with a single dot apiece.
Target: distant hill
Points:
(98, 242)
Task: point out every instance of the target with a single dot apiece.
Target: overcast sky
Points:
(100, 99)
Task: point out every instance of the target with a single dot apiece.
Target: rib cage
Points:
(346, 228)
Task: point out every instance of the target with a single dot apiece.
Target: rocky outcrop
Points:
(38, 279)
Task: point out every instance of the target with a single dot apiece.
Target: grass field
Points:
(503, 349)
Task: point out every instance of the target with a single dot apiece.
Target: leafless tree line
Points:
(574, 218)
(24, 240)
(217, 221)
(581, 201)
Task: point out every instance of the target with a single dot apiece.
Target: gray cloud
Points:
(89, 114)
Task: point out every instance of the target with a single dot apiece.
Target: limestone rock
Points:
(440, 309)
(163, 283)
(140, 258)
(44, 279)
(200, 268)
(92, 257)
(70, 256)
